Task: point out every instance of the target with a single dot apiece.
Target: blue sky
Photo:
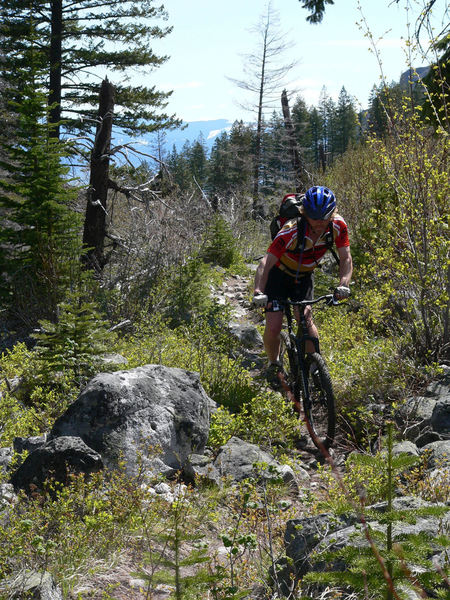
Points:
(210, 38)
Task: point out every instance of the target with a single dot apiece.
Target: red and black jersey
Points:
(284, 246)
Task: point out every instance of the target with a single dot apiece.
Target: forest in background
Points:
(172, 228)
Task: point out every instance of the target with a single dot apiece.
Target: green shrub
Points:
(267, 420)
(204, 346)
(72, 345)
(219, 244)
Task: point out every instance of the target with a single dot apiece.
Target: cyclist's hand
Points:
(259, 300)
(341, 292)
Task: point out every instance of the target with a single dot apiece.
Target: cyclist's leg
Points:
(271, 337)
(277, 291)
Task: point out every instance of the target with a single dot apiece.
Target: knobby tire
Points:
(289, 360)
(321, 411)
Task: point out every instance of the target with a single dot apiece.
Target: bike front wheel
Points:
(319, 403)
(289, 361)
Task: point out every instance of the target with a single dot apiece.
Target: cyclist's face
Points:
(318, 225)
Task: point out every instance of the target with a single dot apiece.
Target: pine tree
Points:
(39, 237)
(346, 122)
(303, 120)
(73, 342)
(219, 166)
(75, 40)
(197, 160)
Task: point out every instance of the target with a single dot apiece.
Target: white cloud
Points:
(215, 132)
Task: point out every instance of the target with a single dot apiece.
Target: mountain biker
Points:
(287, 271)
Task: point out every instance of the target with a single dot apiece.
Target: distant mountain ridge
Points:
(209, 130)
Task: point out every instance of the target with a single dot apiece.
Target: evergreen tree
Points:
(39, 237)
(177, 164)
(277, 161)
(219, 166)
(384, 102)
(437, 82)
(315, 120)
(303, 125)
(242, 139)
(74, 40)
(197, 161)
(346, 122)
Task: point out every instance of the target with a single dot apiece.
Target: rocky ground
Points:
(423, 420)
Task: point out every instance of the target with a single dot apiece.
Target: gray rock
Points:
(7, 496)
(134, 415)
(248, 335)
(31, 584)
(439, 454)
(55, 460)
(202, 467)
(29, 444)
(237, 459)
(419, 408)
(427, 437)
(305, 538)
(6, 455)
(113, 358)
(440, 418)
(303, 535)
(405, 447)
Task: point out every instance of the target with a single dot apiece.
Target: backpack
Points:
(290, 209)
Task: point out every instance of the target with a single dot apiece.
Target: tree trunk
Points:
(54, 97)
(95, 219)
(297, 164)
(322, 157)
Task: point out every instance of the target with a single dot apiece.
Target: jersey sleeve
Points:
(282, 242)
(341, 240)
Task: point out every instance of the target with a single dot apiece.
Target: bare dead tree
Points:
(264, 79)
(96, 208)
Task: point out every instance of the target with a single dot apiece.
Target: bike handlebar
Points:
(329, 299)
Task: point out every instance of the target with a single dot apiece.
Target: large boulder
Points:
(138, 414)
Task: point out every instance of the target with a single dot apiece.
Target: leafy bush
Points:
(361, 364)
(268, 420)
(399, 208)
(73, 531)
(204, 346)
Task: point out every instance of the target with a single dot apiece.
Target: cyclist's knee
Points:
(308, 317)
(274, 323)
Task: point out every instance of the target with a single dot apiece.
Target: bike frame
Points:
(299, 342)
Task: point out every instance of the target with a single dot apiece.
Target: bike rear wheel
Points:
(289, 361)
(320, 410)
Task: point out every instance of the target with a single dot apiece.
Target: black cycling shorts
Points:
(281, 286)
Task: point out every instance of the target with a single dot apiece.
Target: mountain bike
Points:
(305, 376)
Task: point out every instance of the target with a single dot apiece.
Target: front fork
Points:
(303, 364)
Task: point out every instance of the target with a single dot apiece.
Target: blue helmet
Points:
(319, 203)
